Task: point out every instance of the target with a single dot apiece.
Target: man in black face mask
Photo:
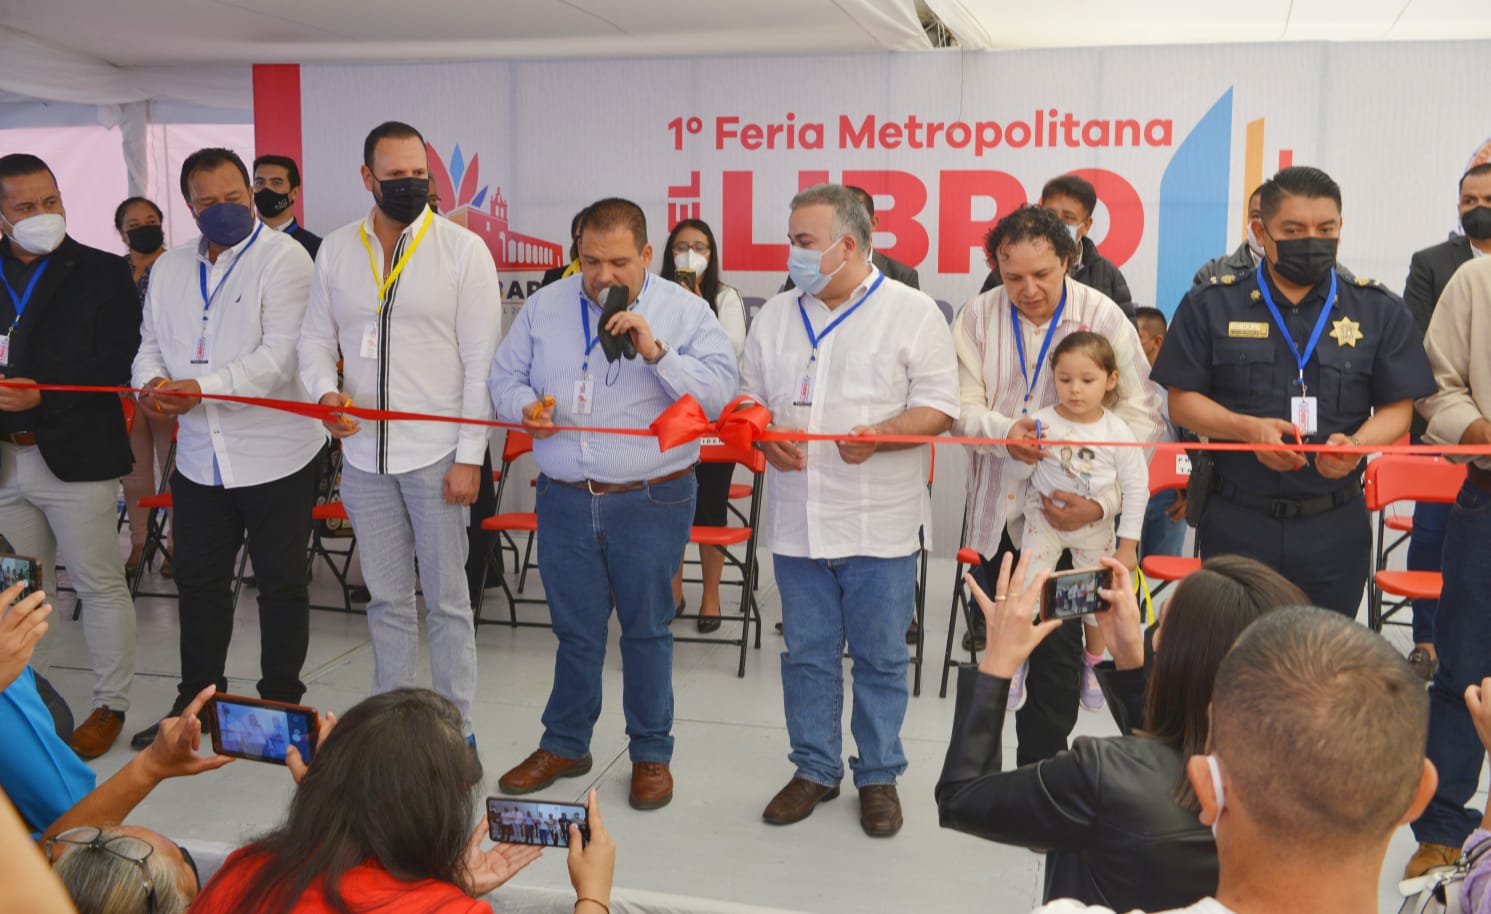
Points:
(412, 303)
(1294, 353)
(276, 189)
(1428, 272)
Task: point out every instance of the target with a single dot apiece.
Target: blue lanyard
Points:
(1030, 379)
(202, 274)
(1301, 358)
(815, 339)
(23, 299)
(590, 341)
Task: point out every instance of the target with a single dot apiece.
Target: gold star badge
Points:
(1255, 295)
(1346, 332)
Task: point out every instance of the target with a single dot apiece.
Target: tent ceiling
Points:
(1075, 23)
(167, 32)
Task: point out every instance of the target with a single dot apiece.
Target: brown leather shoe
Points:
(879, 810)
(1429, 856)
(796, 801)
(541, 769)
(97, 733)
(652, 785)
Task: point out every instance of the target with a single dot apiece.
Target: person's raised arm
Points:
(30, 885)
(592, 866)
(173, 754)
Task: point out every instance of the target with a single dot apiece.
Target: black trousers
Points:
(479, 539)
(210, 524)
(1052, 676)
(1328, 554)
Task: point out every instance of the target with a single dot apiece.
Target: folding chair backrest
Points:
(1165, 471)
(1392, 478)
(713, 450)
(517, 444)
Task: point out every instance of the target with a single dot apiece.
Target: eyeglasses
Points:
(125, 847)
(698, 247)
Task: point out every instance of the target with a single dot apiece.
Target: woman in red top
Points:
(382, 821)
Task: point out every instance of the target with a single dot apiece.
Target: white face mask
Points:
(1216, 788)
(39, 234)
(1254, 244)
(691, 260)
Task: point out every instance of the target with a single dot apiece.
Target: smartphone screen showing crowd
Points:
(541, 823)
(15, 568)
(1075, 593)
(260, 730)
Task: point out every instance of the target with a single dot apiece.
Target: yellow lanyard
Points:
(385, 284)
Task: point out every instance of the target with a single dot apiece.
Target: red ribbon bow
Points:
(739, 425)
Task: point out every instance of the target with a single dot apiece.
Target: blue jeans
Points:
(1462, 638)
(589, 548)
(1162, 536)
(869, 602)
(1425, 552)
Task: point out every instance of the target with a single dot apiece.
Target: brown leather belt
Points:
(21, 439)
(1482, 478)
(612, 488)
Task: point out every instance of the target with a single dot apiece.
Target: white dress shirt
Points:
(892, 354)
(435, 341)
(258, 290)
(993, 394)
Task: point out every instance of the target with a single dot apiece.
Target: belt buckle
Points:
(1284, 510)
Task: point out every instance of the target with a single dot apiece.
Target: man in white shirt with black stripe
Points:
(848, 352)
(222, 317)
(412, 304)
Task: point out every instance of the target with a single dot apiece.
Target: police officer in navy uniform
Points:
(1294, 344)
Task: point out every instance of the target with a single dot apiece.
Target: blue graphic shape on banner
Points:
(1193, 204)
(457, 169)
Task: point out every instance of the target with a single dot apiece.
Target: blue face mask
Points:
(1072, 230)
(805, 268)
(226, 224)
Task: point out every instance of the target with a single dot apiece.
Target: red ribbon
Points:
(744, 422)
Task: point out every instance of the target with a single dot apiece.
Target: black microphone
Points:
(615, 345)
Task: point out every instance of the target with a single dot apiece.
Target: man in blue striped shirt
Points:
(614, 511)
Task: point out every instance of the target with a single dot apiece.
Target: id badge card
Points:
(370, 341)
(803, 394)
(5, 349)
(1303, 412)
(584, 389)
(199, 351)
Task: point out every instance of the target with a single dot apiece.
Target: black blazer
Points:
(1428, 272)
(1102, 811)
(85, 330)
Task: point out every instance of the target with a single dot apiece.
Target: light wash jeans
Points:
(398, 516)
(43, 517)
(868, 602)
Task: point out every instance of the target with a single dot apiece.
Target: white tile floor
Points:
(730, 759)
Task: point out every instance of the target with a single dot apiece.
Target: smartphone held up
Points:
(1070, 594)
(540, 823)
(261, 730)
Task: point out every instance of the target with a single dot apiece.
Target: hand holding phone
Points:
(539, 823)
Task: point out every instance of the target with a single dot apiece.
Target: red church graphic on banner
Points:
(457, 186)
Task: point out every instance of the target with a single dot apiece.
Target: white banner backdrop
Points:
(945, 141)
(1174, 138)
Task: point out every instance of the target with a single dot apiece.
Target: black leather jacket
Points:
(1102, 810)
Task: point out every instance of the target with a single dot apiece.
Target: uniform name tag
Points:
(1248, 330)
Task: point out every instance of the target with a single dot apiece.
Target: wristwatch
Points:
(662, 351)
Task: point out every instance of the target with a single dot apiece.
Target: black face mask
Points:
(145, 239)
(403, 199)
(1305, 260)
(1477, 223)
(270, 203)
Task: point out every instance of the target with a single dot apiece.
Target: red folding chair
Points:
(1168, 471)
(505, 525)
(1389, 479)
(712, 450)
